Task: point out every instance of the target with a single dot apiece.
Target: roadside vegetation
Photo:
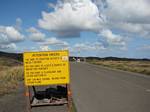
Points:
(73, 109)
(142, 67)
(11, 73)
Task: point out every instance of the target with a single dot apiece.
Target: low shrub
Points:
(10, 78)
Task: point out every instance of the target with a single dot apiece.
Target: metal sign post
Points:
(44, 69)
(27, 94)
(69, 98)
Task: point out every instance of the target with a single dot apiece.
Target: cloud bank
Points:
(9, 35)
(70, 17)
(130, 18)
(35, 34)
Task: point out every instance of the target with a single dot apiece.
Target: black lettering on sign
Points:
(58, 71)
(37, 55)
(54, 54)
(57, 65)
(45, 78)
(62, 77)
(55, 78)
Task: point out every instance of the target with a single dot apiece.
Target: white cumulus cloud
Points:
(44, 48)
(8, 47)
(36, 35)
(18, 23)
(129, 16)
(142, 30)
(9, 34)
(134, 11)
(70, 17)
(96, 46)
(53, 41)
(113, 39)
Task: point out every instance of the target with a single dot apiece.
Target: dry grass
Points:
(133, 66)
(11, 73)
(73, 109)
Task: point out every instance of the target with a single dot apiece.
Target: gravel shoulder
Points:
(16, 102)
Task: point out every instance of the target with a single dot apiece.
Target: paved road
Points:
(97, 89)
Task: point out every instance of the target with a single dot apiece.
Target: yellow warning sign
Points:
(45, 68)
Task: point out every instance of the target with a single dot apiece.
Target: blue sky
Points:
(85, 27)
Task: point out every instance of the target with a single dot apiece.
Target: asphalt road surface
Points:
(97, 89)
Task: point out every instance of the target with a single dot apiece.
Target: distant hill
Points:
(19, 57)
(117, 59)
(10, 59)
(108, 59)
(15, 56)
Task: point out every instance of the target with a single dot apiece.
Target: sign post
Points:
(46, 68)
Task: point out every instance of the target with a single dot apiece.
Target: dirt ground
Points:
(16, 102)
